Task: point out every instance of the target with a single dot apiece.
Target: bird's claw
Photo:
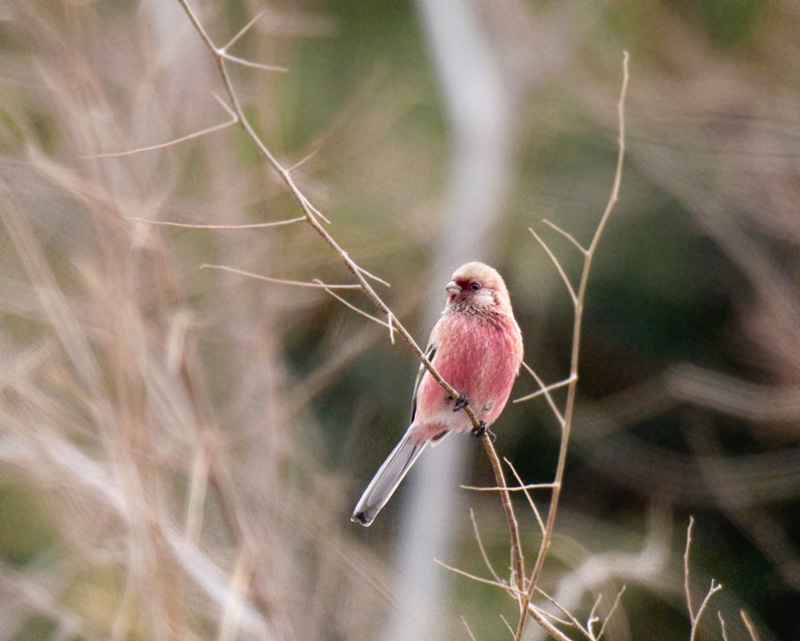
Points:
(481, 430)
(461, 403)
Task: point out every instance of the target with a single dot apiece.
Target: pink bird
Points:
(477, 347)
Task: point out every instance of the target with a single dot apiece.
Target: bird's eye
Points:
(476, 287)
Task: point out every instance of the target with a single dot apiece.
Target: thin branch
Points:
(254, 65)
(519, 488)
(517, 559)
(166, 223)
(711, 591)
(508, 625)
(551, 616)
(347, 303)
(566, 235)
(715, 587)
(613, 609)
(303, 161)
(390, 319)
(544, 389)
(164, 145)
(244, 30)
(556, 262)
(377, 279)
(751, 629)
(475, 577)
(572, 621)
(686, 589)
(538, 616)
(574, 359)
(466, 625)
(527, 496)
(306, 203)
(480, 546)
(312, 215)
(722, 626)
(593, 618)
(317, 284)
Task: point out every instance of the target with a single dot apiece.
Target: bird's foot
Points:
(481, 430)
(461, 403)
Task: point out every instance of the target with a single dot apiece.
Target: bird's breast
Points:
(480, 357)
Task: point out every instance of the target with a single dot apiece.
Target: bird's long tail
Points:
(386, 479)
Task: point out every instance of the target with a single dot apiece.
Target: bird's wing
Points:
(430, 352)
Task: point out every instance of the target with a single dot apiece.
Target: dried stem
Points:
(166, 223)
(466, 625)
(613, 609)
(578, 300)
(517, 560)
(311, 214)
(751, 629)
(474, 577)
(694, 617)
(481, 548)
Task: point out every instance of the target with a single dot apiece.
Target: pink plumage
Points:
(477, 347)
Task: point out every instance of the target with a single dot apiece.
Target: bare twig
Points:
(545, 389)
(686, 588)
(571, 620)
(517, 559)
(312, 214)
(303, 160)
(593, 618)
(481, 548)
(613, 609)
(166, 223)
(694, 617)
(538, 616)
(317, 284)
(508, 625)
(557, 264)
(176, 141)
(518, 488)
(475, 577)
(566, 235)
(751, 629)
(552, 617)
(578, 300)
(254, 65)
(244, 30)
(358, 310)
(528, 495)
(466, 625)
(722, 626)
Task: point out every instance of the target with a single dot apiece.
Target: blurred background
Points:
(181, 448)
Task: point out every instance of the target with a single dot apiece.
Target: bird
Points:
(476, 346)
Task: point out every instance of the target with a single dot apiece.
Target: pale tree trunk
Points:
(478, 113)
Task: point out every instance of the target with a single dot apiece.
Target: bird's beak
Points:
(452, 288)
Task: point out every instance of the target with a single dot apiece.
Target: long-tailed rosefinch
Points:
(477, 347)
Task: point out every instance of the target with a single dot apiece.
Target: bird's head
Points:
(476, 287)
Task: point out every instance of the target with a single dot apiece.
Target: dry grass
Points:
(147, 403)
